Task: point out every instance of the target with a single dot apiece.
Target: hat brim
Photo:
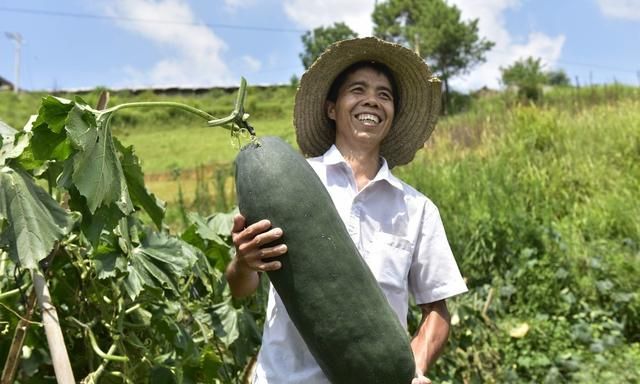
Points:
(419, 96)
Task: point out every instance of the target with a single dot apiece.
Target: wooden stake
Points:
(57, 349)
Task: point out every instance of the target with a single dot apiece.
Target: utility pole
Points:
(17, 37)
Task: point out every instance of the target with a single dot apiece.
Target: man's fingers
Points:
(255, 259)
(243, 235)
(238, 223)
(267, 237)
(278, 250)
(271, 266)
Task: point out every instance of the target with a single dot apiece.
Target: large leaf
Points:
(212, 236)
(104, 218)
(53, 112)
(97, 172)
(209, 228)
(135, 182)
(12, 142)
(6, 130)
(36, 221)
(224, 319)
(159, 262)
(48, 145)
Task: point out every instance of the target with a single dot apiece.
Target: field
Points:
(540, 203)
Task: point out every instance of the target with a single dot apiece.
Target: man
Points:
(362, 108)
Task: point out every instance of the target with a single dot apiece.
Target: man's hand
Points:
(248, 241)
(242, 272)
(421, 380)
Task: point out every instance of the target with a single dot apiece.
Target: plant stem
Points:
(13, 292)
(143, 104)
(13, 357)
(93, 377)
(237, 117)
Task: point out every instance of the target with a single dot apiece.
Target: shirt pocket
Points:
(389, 258)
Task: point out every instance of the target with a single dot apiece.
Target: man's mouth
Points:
(368, 119)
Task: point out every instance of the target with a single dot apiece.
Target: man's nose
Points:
(371, 99)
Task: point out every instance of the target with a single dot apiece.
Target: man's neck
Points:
(365, 163)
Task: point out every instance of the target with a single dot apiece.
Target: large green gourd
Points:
(329, 292)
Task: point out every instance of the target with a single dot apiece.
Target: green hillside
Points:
(540, 203)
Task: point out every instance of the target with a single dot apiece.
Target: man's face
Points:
(363, 111)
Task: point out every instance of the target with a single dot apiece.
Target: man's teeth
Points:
(367, 118)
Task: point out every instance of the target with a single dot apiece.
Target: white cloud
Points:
(492, 26)
(621, 9)
(194, 52)
(251, 63)
(310, 14)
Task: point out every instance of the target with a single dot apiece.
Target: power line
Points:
(141, 20)
(589, 65)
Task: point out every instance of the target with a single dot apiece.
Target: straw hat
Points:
(418, 98)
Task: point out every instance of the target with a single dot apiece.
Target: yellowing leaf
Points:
(519, 331)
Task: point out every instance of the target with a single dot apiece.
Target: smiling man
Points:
(362, 108)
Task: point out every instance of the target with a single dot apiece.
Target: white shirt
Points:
(400, 235)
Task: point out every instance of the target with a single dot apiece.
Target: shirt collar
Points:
(334, 157)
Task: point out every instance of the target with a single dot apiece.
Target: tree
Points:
(434, 30)
(316, 41)
(558, 77)
(527, 75)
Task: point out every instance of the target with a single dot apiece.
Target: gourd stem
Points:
(143, 104)
(237, 118)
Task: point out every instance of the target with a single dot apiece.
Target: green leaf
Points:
(159, 262)
(104, 218)
(245, 347)
(212, 236)
(36, 220)
(225, 322)
(48, 145)
(162, 375)
(53, 112)
(107, 264)
(205, 230)
(97, 172)
(13, 145)
(135, 183)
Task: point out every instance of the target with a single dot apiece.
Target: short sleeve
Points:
(434, 274)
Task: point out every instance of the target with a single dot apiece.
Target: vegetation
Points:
(528, 76)
(434, 29)
(539, 202)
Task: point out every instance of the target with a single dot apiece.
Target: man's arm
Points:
(431, 336)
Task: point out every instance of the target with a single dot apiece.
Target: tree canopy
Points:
(316, 41)
(435, 30)
(528, 75)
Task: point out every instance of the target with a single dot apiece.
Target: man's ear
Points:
(330, 109)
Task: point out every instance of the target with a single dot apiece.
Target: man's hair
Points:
(379, 67)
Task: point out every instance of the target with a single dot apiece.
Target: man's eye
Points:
(385, 96)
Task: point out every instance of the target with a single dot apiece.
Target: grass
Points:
(539, 203)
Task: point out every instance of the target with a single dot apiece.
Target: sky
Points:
(75, 44)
